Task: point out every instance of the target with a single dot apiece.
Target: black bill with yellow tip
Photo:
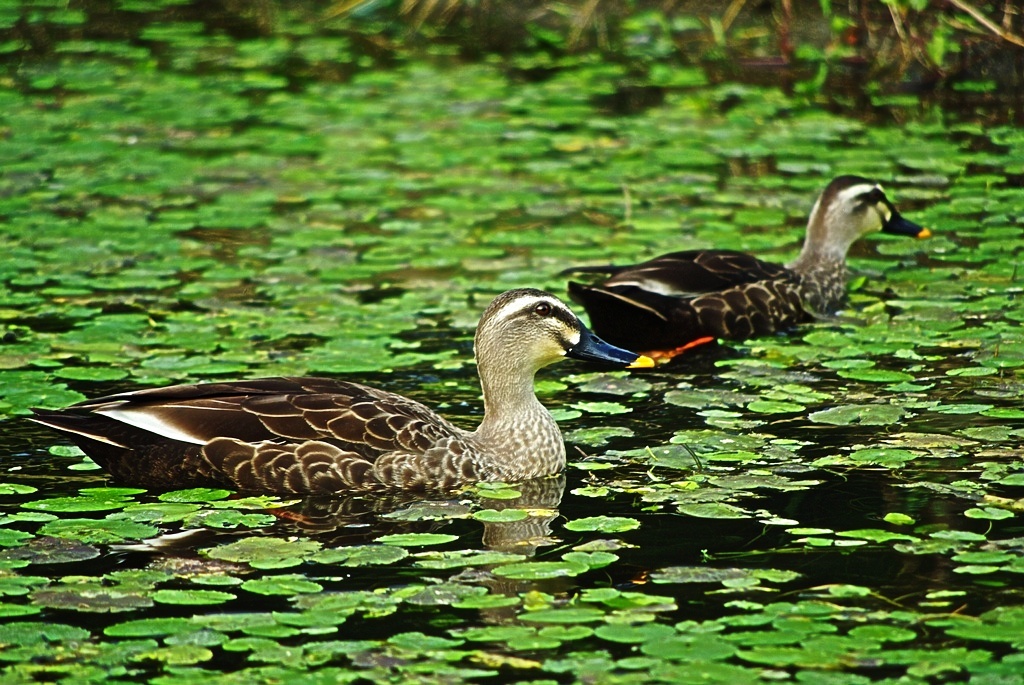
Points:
(897, 225)
(591, 348)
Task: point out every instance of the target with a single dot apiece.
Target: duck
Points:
(324, 436)
(678, 301)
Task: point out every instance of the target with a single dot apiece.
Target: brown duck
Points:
(679, 300)
(319, 435)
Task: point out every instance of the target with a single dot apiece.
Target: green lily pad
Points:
(603, 524)
(569, 615)
(697, 574)
(90, 373)
(595, 437)
(290, 584)
(634, 634)
(148, 627)
(713, 510)
(51, 550)
(192, 597)
(265, 553)
(860, 414)
(16, 489)
(602, 408)
(91, 499)
(876, 375)
(15, 610)
(500, 516)
(990, 513)
(361, 555)
(197, 495)
(102, 531)
(538, 570)
(774, 407)
(90, 599)
(417, 539)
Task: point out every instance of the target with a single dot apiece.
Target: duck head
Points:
(850, 208)
(532, 328)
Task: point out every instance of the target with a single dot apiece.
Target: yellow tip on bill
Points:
(642, 362)
(925, 233)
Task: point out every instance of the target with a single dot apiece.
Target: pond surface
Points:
(838, 505)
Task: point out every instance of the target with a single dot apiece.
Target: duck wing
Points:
(271, 434)
(691, 272)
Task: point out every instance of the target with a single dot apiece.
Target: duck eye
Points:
(542, 309)
(873, 196)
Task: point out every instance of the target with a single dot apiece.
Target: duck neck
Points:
(508, 395)
(816, 263)
(822, 267)
(819, 248)
(517, 431)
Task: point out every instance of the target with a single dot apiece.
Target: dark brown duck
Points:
(673, 302)
(319, 435)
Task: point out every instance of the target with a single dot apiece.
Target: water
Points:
(261, 194)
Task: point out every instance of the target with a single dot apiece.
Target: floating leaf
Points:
(291, 584)
(538, 570)
(500, 516)
(90, 599)
(485, 602)
(176, 655)
(104, 531)
(265, 553)
(875, 535)
(16, 489)
(602, 407)
(774, 407)
(198, 495)
(591, 559)
(148, 627)
(563, 616)
(100, 499)
(689, 648)
(51, 550)
(361, 555)
(90, 373)
(15, 610)
(417, 539)
(876, 375)
(713, 510)
(697, 574)
(30, 633)
(990, 513)
(13, 538)
(192, 597)
(595, 437)
(603, 524)
(898, 519)
(418, 642)
(862, 414)
(634, 634)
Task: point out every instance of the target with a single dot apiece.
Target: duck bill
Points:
(591, 348)
(897, 225)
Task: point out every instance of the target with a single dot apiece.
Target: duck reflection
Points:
(361, 519)
(335, 521)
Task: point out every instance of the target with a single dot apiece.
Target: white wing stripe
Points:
(140, 418)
